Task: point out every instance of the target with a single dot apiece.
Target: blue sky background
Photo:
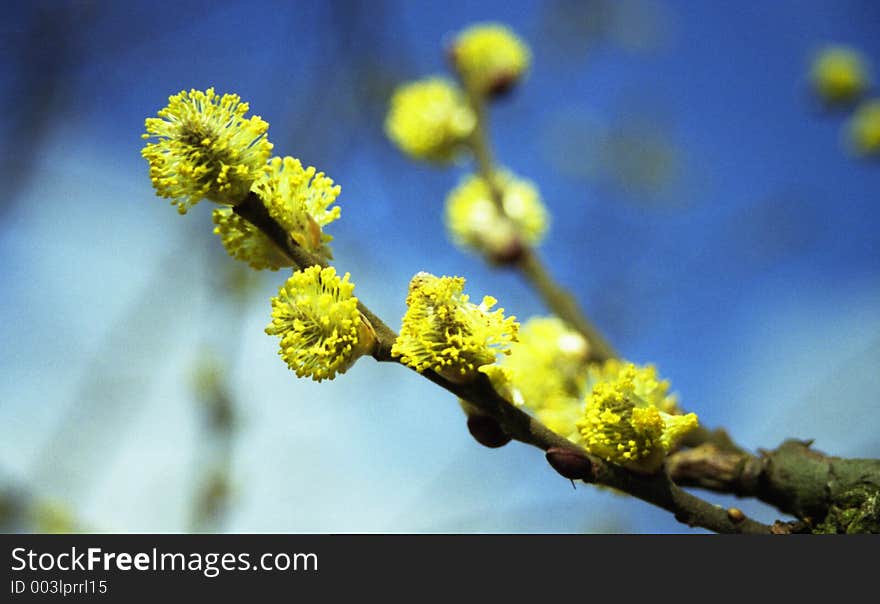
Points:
(706, 213)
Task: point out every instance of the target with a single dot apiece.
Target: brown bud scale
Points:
(570, 464)
(487, 431)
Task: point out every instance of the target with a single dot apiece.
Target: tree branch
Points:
(829, 494)
(253, 210)
(656, 489)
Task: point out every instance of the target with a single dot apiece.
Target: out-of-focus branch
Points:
(23, 510)
(561, 302)
(555, 297)
(526, 260)
(829, 494)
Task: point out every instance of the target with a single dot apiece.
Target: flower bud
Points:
(430, 119)
(487, 431)
(864, 129)
(571, 465)
(490, 58)
(839, 75)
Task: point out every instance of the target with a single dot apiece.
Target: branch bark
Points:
(830, 494)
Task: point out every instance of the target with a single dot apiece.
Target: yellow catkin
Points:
(205, 148)
(429, 119)
(490, 57)
(864, 129)
(443, 331)
(299, 200)
(623, 428)
(839, 75)
(545, 372)
(475, 222)
(316, 317)
(243, 241)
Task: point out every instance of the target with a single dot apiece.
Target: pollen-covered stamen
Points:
(646, 383)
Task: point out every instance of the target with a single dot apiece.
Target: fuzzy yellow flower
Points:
(864, 129)
(206, 149)
(316, 316)
(444, 331)
(298, 199)
(546, 372)
(839, 75)
(490, 57)
(623, 428)
(474, 220)
(429, 119)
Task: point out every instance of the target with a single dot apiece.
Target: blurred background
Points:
(706, 213)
